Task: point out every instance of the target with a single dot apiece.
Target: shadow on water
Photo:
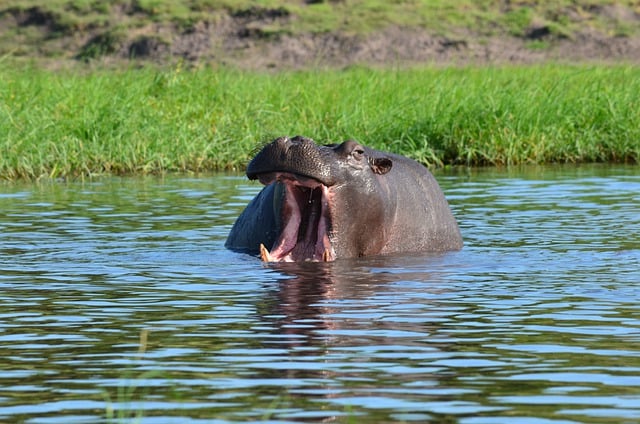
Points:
(357, 323)
(312, 292)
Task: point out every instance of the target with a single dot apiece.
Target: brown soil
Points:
(400, 46)
(240, 40)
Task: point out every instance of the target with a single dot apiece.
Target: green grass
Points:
(66, 124)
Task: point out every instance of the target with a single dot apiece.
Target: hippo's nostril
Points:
(299, 139)
(283, 140)
(282, 145)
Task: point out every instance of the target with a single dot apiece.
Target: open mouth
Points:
(305, 220)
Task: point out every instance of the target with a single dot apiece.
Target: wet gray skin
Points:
(343, 200)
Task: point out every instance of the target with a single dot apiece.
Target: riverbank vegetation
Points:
(89, 29)
(151, 120)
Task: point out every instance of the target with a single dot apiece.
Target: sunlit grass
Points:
(149, 120)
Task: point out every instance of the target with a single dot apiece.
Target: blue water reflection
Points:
(119, 303)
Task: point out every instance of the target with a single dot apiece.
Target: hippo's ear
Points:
(380, 166)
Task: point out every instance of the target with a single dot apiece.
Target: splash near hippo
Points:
(322, 203)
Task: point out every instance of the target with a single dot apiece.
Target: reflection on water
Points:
(119, 303)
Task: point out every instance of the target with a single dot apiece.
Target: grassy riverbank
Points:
(287, 34)
(147, 120)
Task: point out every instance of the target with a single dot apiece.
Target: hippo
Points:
(325, 202)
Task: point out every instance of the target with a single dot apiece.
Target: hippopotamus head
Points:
(318, 205)
(302, 157)
(340, 200)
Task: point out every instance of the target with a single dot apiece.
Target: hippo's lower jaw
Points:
(305, 220)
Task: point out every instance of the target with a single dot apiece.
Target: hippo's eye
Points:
(357, 153)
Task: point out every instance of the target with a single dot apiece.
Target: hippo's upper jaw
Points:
(305, 219)
(297, 155)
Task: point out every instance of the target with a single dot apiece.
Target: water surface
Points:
(119, 303)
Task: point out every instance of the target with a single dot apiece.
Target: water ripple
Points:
(118, 302)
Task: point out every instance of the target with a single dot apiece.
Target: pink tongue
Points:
(289, 235)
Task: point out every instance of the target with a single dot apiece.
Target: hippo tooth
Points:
(326, 256)
(264, 254)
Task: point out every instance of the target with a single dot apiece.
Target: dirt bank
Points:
(244, 40)
(405, 46)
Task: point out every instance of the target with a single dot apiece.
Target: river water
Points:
(119, 303)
